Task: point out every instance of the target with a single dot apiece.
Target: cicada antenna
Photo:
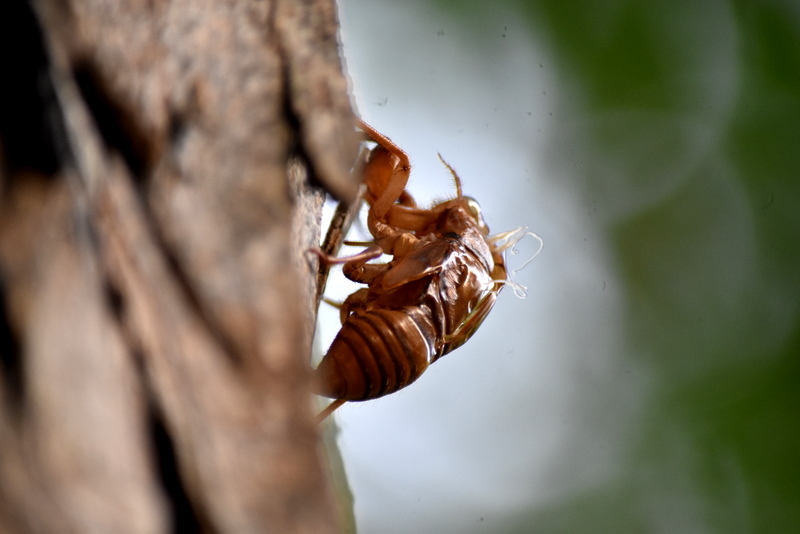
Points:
(456, 179)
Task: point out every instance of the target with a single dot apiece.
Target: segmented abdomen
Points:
(376, 353)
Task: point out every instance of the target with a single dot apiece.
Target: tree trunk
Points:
(158, 166)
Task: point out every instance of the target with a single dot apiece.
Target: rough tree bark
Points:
(158, 164)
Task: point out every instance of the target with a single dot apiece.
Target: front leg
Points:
(385, 174)
(356, 267)
(363, 273)
(394, 241)
(369, 253)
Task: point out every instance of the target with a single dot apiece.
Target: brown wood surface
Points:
(158, 170)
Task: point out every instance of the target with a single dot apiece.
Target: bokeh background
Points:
(650, 381)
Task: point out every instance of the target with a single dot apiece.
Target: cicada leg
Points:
(406, 200)
(391, 239)
(367, 254)
(354, 301)
(386, 173)
(329, 410)
(340, 224)
(355, 267)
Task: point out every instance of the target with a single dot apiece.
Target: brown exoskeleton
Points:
(441, 283)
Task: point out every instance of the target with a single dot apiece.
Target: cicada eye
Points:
(475, 212)
(474, 208)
